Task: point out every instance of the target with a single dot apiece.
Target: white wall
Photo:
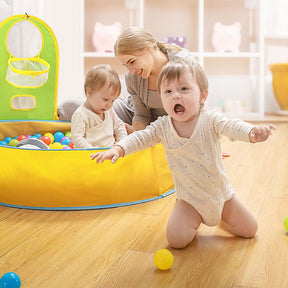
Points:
(276, 44)
(64, 18)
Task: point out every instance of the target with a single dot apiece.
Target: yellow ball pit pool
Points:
(59, 179)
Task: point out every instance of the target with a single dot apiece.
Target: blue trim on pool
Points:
(89, 207)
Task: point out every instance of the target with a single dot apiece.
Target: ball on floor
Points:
(286, 223)
(10, 280)
(163, 259)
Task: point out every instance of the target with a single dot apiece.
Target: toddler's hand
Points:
(261, 133)
(112, 154)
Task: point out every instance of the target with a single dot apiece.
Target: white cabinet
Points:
(236, 78)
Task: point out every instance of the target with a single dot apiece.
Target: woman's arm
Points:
(136, 126)
(137, 90)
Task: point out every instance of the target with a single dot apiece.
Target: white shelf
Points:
(196, 54)
(227, 55)
(247, 116)
(197, 20)
(98, 55)
(276, 36)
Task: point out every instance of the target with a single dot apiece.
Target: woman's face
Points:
(139, 63)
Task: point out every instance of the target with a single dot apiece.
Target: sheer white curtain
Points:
(6, 9)
(276, 17)
(32, 7)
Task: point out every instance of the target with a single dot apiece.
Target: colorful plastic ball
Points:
(65, 140)
(163, 259)
(7, 139)
(13, 142)
(71, 145)
(65, 147)
(286, 223)
(46, 140)
(68, 134)
(58, 136)
(56, 145)
(3, 143)
(10, 280)
(50, 135)
(37, 135)
(21, 137)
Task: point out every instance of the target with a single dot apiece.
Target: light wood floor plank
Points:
(265, 263)
(21, 225)
(6, 212)
(115, 247)
(74, 245)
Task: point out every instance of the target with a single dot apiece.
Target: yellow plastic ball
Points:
(163, 259)
(50, 135)
(56, 145)
(286, 223)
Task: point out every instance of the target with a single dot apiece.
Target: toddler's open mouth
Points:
(179, 108)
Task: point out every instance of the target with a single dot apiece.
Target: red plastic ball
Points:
(21, 137)
(71, 145)
(46, 140)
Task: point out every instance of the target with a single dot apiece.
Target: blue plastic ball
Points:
(10, 280)
(3, 143)
(58, 136)
(65, 140)
(7, 139)
(37, 135)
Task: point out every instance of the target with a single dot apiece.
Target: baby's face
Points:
(101, 100)
(181, 98)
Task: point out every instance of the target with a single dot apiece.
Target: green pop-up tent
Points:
(29, 64)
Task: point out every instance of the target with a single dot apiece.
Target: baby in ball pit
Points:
(95, 123)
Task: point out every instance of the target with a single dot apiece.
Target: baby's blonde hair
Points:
(135, 40)
(101, 75)
(175, 68)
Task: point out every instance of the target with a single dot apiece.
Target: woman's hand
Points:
(129, 128)
(112, 154)
(261, 133)
(137, 125)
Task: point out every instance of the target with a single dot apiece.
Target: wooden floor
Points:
(115, 247)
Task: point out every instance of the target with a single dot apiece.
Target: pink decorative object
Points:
(104, 36)
(178, 40)
(226, 38)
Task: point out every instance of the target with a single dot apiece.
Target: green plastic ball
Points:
(68, 134)
(13, 142)
(286, 223)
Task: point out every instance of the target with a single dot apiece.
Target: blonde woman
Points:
(144, 58)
